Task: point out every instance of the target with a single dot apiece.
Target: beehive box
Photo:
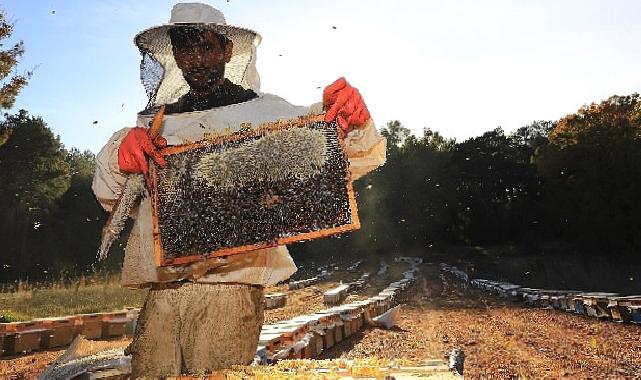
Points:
(336, 295)
(579, 307)
(317, 348)
(595, 304)
(521, 293)
(370, 306)
(114, 327)
(324, 319)
(62, 330)
(275, 300)
(304, 348)
(560, 301)
(382, 303)
(25, 341)
(571, 303)
(280, 183)
(621, 307)
(564, 302)
(350, 314)
(357, 322)
(89, 325)
(635, 312)
(347, 328)
(328, 337)
(295, 285)
(271, 340)
(338, 331)
(507, 290)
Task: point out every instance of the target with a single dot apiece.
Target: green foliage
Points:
(10, 86)
(76, 225)
(34, 174)
(50, 221)
(496, 187)
(395, 134)
(34, 171)
(591, 171)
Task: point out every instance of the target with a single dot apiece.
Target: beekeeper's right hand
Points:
(134, 150)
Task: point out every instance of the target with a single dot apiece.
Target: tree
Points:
(34, 174)
(534, 134)
(75, 226)
(592, 177)
(496, 188)
(9, 58)
(395, 134)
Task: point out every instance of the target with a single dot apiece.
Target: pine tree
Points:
(12, 83)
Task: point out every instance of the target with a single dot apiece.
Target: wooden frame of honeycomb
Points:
(161, 257)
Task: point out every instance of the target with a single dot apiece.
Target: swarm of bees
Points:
(252, 190)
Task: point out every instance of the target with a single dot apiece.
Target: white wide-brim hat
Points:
(155, 42)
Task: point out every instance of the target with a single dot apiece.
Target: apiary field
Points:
(500, 338)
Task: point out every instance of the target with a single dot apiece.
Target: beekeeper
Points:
(208, 315)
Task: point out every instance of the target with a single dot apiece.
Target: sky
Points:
(458, 67)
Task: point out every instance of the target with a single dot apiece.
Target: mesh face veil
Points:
(160, 75)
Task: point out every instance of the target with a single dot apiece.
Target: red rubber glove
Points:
(345, 105)
(134, 150)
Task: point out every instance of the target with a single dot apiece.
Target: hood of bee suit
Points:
(159, 73)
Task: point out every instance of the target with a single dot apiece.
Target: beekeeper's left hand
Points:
(344, 104)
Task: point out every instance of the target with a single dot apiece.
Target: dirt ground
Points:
(501, 339)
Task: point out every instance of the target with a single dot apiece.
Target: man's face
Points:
(201, 55)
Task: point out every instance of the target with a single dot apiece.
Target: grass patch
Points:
(85, 295)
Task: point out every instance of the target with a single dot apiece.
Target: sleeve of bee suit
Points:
(108, 180)
(366, 148)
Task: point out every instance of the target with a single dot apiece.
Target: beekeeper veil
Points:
(159, 73)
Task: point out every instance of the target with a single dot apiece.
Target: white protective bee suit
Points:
(181, 350)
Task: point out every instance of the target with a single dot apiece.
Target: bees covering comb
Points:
(286, 181)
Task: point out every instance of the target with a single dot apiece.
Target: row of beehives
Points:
(602, 305)
(300, 284)
(307, 336)
(44, 333)
(339, 293)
